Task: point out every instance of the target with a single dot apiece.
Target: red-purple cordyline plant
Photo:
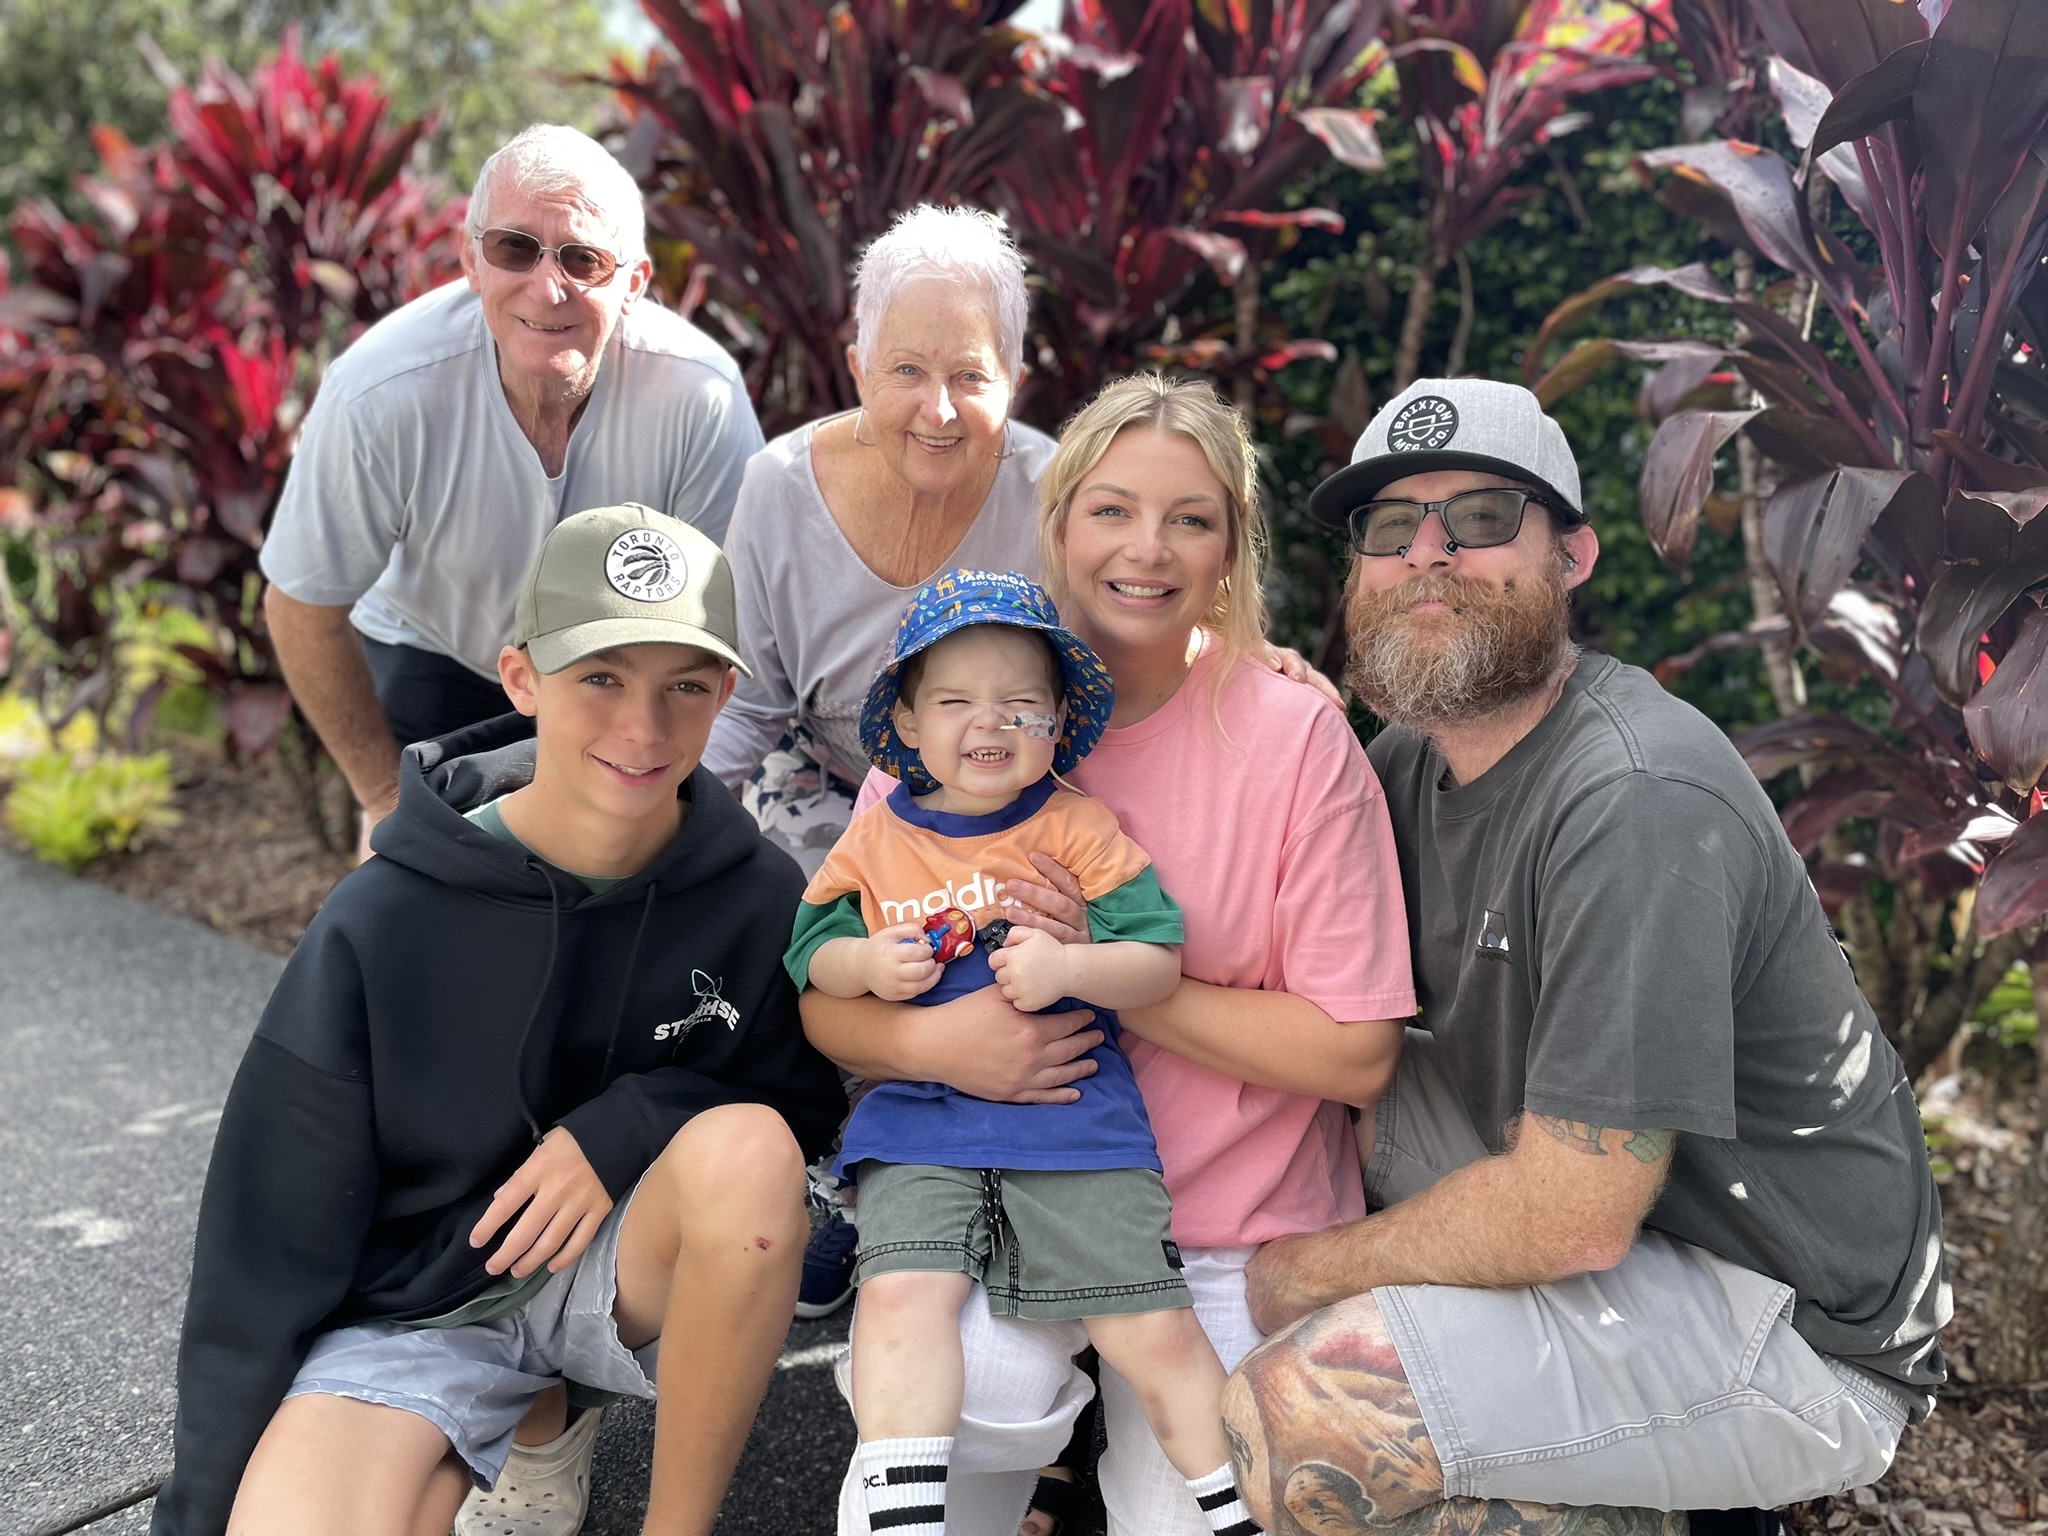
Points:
(1134, 153)
(780, 136)
(1181, 127)
(164, 351)
(1487, 83)
(1907, 410)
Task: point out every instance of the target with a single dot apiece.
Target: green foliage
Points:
(2007, 1013)
(487, 67)
(69, 813)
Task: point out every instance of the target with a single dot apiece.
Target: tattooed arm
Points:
(1566, 1198)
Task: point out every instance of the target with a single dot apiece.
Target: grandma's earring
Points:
(1008, 449)
(866, 442)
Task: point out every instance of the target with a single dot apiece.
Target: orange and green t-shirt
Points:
(902, 863)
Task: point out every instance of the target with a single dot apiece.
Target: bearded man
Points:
(1652, 1225)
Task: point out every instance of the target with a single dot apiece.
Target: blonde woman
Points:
(1256, 802)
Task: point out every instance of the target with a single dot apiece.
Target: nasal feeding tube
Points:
(1042, 727)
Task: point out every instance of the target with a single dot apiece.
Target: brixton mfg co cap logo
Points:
(1423, 425)
(646, 565)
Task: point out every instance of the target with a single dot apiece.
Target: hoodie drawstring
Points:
(604, 1075)
(547, 977)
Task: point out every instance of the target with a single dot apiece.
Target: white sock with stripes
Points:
(1222, 1505)
(904, 1482)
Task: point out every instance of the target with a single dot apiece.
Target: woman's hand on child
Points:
(1056, 907)
(897, 962)
(984, 1047)
(1031, 969)
(565, 1201)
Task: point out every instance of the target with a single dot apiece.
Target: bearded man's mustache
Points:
(1491, 645)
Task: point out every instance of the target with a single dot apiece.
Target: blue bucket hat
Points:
(960, 600)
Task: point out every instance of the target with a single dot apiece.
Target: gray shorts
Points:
(475, 1382)
(1046, 1245)
(1673, 1381)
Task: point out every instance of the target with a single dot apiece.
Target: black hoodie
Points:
(456, 998)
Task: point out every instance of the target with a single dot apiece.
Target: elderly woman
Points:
(1264, 820)
(840, 521)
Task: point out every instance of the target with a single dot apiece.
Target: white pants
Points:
(1023, 1393)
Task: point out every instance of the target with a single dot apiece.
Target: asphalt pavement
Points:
(120, 1029)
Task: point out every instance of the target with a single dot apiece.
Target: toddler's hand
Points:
(897, 963)
(1031, 969)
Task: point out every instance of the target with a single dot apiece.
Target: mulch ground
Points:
(249, 859)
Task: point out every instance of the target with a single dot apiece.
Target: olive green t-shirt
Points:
(1610, 926)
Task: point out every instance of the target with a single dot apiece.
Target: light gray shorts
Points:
(1673, 1381)
(475, 1382)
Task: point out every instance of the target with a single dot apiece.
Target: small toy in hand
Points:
(950, 933)
(1044, 727)
(995, 934)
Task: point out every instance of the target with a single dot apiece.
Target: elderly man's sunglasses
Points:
(1472, 520)
(509, 250)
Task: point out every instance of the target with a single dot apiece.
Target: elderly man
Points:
(1653, 1228)
(448, 441)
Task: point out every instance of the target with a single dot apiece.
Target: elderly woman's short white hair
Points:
(956, 245)
(551, 161)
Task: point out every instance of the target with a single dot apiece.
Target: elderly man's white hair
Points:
(550, 160)
(957, 245)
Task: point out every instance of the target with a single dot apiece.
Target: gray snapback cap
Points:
(625, 575)
(1454, 424)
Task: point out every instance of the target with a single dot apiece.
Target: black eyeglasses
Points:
(511, 251)
(1472, 520)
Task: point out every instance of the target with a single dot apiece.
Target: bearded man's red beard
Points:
(1492, 644)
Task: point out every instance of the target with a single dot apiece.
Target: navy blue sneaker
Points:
(828, 1268)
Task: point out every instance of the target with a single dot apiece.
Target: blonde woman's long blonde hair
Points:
(1193, 408)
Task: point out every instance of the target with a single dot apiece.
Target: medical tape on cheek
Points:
(1044, 727)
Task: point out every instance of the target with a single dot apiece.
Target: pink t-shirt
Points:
(1266, 824)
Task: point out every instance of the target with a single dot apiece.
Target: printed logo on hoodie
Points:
(710, 1005)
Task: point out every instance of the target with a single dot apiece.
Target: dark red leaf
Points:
(1833, 799)
(1758, 185)
(2008, 719)
(1837, 39)
(1678, 471)
(1814, 530)
(1878, 96)
(256, 716)
(1669, 387)
(1965, 601)
(1772, 748)
(1981, 100)
(1347, 133)
(1963, 837)
(1695, 280)
(1995, 527)
(1989, 471)
(1300, 218)
(1837, 884)
(1224, 253)
(2015, 888)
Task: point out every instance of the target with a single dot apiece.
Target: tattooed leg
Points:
(1328, 1440)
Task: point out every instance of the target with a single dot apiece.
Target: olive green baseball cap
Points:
(625, 575)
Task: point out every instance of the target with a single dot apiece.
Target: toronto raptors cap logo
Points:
(646, 565)
(1425, 423)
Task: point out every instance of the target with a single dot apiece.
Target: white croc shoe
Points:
(543, 1491)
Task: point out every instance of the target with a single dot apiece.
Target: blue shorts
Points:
(476, 1381)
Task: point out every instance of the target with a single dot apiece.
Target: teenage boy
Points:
(530, 1097)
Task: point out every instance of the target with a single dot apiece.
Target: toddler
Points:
(1058, 1209)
